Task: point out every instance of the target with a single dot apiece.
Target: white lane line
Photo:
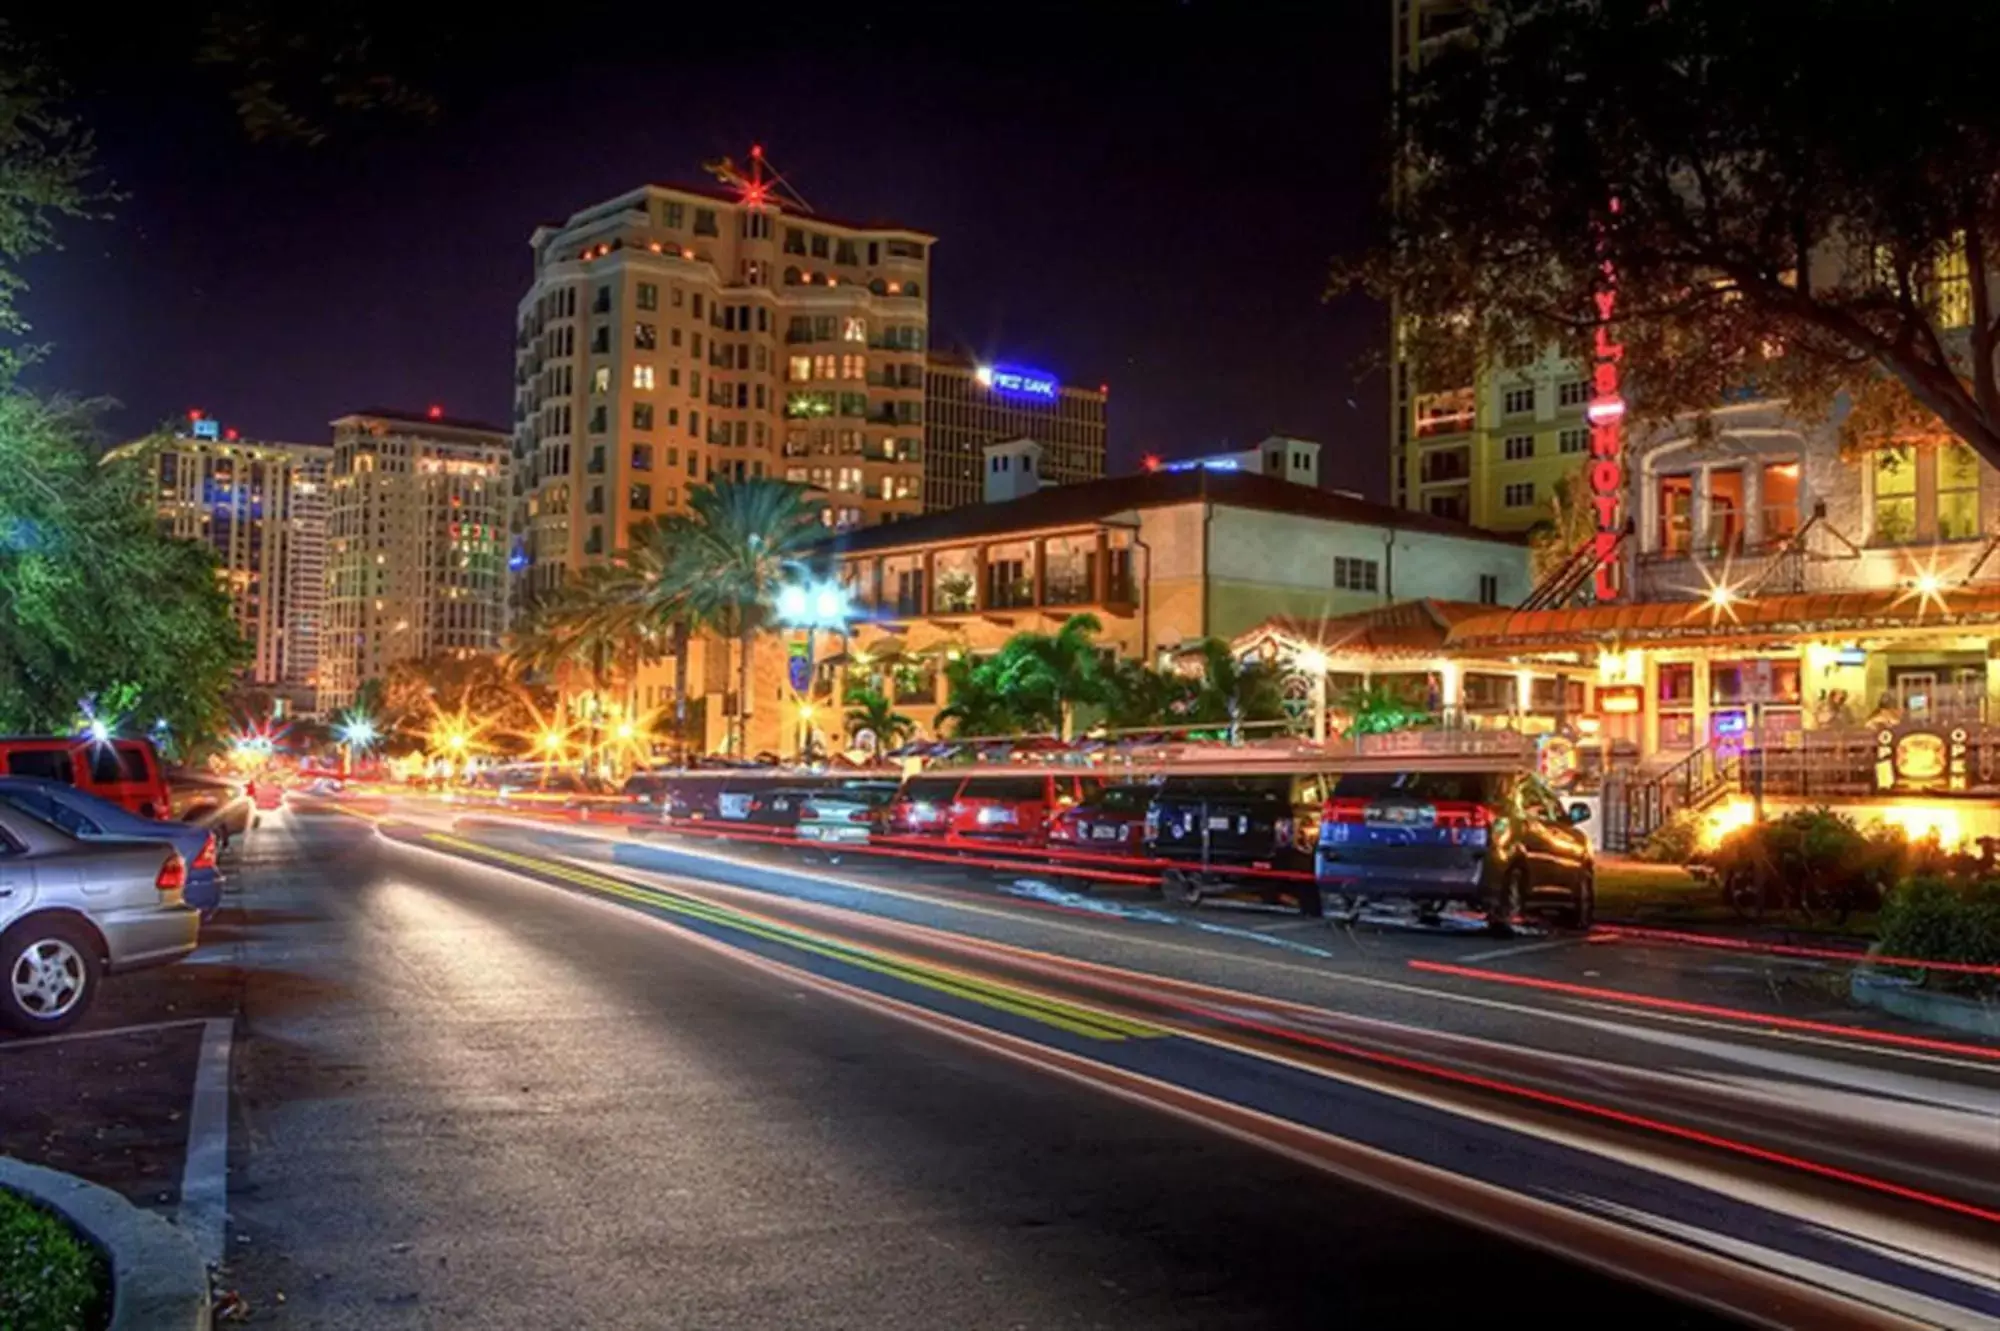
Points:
(142, 1028)
(204, 1210)
(1520, 949)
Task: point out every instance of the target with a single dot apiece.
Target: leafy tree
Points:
(1136, 696)
(593, 622)
(868, 709)
(1379, 709)
(484, 689)
(666, 611)
(1049, 675)
(978, 702)
(94, 602)
(739, 543)
(1807, 203)
(1234, 693)
(1570, 522)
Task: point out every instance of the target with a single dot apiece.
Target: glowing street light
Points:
(357, 731)
(1314, 663)
(100, 733)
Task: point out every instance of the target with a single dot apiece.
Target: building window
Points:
(1518, 401)
(642, 415)
(1780, 502)
(600, 379)
(1725, 510)
(1518, 447)
(1676, 514)
(642, 376)
(645, 336)
(642, 457)
(1356, 575)
(1489, 589)
(694, 423)
(819, 246)
(704, 222)
(649, 296)
(1957, 493)
(1895, 496)
(694, 463)
(600, 418)
(1574, 440)
(1572, 393)
(1676, 699)
(639, 498)
(1520, 494)
(671, 215)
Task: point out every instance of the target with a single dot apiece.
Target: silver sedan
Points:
(74, 911)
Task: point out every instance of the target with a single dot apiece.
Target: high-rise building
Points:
(416, 544)
(673, 335)
(1494, 451)
(969, 404)
(305, 566)
(239, 497)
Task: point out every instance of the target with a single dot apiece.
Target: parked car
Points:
(216, 803)
(1214, 825)
(922, 807)
(88, 818)
(124, 771)
(1015, 807)
(1491, 836)
(847, 810)
(1110, 821)
(74, 911)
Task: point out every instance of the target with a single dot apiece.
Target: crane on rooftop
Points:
(761, 185)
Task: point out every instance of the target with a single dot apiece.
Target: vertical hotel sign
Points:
(1607, 423)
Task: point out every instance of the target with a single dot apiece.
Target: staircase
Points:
(1636, 804)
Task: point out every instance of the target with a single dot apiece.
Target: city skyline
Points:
(1129, 248)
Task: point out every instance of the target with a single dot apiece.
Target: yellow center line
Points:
(1074, 1018)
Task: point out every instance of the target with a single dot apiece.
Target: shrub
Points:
(50, 1280)
(1673, 842)
(1939, 919)
(1818, 859)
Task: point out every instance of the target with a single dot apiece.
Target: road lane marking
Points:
(204, 1208)
(1521, 949)
(143, 1028)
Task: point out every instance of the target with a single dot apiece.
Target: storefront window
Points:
(1489, 693)
(1676, 514)
(1676, 705)
(1895, 496)
(1725, 510)
(1780, 502)
(1762, 680)
(1957, 493)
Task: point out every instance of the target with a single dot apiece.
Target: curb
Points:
(1899, 999)
(157, 1278)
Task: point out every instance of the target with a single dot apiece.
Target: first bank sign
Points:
(1018, 381)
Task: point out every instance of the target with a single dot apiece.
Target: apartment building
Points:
(305, 567)
(416, 554)
(675, 335)
(970, 403)
(241, 498)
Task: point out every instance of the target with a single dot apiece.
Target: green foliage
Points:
(483, 688)
(1942, 919)
(977, 700)
(1381, 710)
(869, 710)
(1788, 219)
(50, 1279)
(1816, 858)
(94, 601)
(1676, 841)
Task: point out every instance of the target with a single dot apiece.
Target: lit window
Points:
(642, 376)
(1779, 501)
(798, 369)
(1676, 513)
(1957, 493)
(600, 379)
(854, 330)
(1895, 475)
(645, 336)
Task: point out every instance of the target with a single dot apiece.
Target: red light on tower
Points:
(194, 413)
(231, 435)
(1151, 462)
(436, 412)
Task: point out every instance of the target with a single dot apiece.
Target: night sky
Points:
(1147, 197)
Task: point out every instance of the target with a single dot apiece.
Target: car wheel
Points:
(49, 970)
(1182, 886)
(1504, 906)
(1583, 911)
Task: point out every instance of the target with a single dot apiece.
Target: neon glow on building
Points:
(1606, 414)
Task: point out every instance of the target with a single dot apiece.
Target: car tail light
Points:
(1464, 813)
(173, 874)
(1345, 811)
(206, 860)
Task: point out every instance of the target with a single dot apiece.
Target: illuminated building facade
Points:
(243, 499)
(305, 567)
(969, 404)
(675, 335)
(416, 545)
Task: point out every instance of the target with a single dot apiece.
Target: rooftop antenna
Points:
(761, 186)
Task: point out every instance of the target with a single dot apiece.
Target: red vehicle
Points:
(923, 806)
(1015, 806)
(1110, 822)
(124, 771)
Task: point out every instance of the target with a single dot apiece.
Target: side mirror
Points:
(1579, 813)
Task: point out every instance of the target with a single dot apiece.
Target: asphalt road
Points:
(464, 1098)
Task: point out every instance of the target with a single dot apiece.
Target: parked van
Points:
(125, 771)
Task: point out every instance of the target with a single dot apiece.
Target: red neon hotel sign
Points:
(1606, 413)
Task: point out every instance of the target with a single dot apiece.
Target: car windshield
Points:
(1262, 789)
(60, 815)
(930, 789)
(1417, 785)
(1006, 788)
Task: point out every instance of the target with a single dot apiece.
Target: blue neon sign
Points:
(1019, 381)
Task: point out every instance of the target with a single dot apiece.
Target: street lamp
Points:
(1315, 663)
(810, 606)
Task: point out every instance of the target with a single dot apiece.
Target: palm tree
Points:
(591, 622)
(740, 542)
(666, 612)
(871, 711)
(977, 702)
(1055, 672)
(1234, 693)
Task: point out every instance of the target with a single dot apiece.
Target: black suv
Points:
(1212, 826)
(1491, 836)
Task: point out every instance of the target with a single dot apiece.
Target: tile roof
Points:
(1095, 501)
(1695, 622)
(1404, 628)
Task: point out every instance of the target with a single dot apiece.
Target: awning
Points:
(1404, 629)
(1752, 619)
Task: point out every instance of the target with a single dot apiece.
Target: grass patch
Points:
(50, 1279)
(1667, 896)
